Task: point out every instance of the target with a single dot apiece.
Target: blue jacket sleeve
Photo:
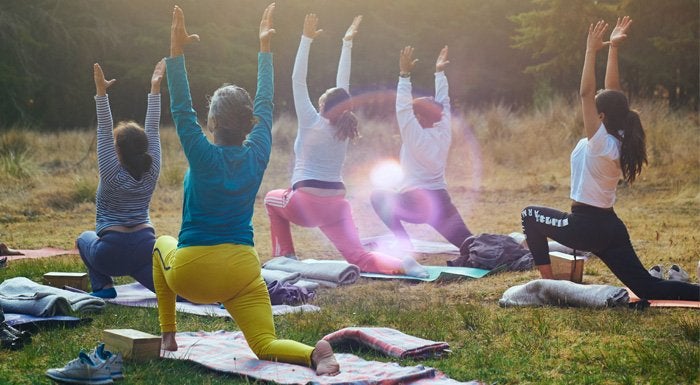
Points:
(194, 142)
(260, 138)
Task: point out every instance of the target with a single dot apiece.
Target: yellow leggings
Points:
(225, 273)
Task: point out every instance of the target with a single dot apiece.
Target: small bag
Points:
(566, 266)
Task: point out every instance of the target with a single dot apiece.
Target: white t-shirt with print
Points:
(595, 169)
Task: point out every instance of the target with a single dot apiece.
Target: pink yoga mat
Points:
(41, 253)
(666, 302)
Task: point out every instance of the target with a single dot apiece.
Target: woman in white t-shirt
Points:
(317, 195)
(614, 149)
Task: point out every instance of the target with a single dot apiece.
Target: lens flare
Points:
(387, 174)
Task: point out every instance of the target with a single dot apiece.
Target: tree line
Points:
(511, 52)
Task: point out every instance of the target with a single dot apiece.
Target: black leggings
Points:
(599, 231)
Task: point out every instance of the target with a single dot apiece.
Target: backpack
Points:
(492, 251)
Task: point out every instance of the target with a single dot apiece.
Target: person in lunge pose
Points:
(214, 259)
(613, 149)
(425, 129)
(317, 195)
(128, 160)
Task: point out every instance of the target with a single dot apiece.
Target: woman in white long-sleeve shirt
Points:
(317, 195)
(425, 129)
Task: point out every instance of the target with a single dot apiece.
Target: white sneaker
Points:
(113, 362)
(657, 271)
(676, 273)
(82, 370)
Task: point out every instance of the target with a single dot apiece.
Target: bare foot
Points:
(4, 250)
(414, 269)
(323, 360)
(168, 342)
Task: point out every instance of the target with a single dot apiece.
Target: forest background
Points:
(504, 52)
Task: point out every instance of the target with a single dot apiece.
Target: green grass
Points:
(509, 160)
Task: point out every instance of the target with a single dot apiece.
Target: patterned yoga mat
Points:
(135, 294)
(228, 352)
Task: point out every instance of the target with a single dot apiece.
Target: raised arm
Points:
(194, 142)
(107, 161)
(306, 112)
(617, 36)
(260, 138)
(152, 123)
(342, 78)
(408, 124)
(442, 95)
(594, 42)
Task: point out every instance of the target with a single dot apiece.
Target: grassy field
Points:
(501, 160)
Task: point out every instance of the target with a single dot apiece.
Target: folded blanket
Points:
(388, 341)
(136, 295)
(228, 352)
(541, 292)
(286, 277)
(325, 273)
(22, 295)
(13, 319)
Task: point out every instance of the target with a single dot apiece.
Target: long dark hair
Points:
(624, 124)
(232, 110)
(132, 147)
(338, 110)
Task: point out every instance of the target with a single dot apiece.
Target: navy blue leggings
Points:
(600, 231)
(118, 254)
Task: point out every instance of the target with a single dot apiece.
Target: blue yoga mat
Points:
(14, 319)
(437, 273)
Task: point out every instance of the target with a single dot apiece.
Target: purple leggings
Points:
(433, 207)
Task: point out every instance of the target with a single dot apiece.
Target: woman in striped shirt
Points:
(128, 160)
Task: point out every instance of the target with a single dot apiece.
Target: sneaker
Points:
(25, 336)
(676, 273)
(82, 370)
(113, 361)
(105, 293)
(657, 271)
(9, 340)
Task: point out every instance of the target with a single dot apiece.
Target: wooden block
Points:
(132, 344)
(60, 279)
(565, 267)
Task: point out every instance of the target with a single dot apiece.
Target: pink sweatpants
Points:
(333, 215)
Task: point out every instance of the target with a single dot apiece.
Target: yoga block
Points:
(132, 344)
(564, 267)
(60, 279)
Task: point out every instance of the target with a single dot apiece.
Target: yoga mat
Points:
(41, 253)
(665, 302)
(437, 273)
(13, 319)
(389, 341)
(136, 295)
(228, 352)
(387, 241)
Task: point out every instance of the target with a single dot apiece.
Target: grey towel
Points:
(541, 292)
(326, 273)
(286, 277)
(24, 296)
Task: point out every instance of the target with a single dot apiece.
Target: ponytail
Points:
(625, 125)
(132, 146)
(346, 125)
(633, 151)
(337, 108)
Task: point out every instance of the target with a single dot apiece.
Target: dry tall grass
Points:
(501, 160)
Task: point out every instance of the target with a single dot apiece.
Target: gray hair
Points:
(232, 112)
